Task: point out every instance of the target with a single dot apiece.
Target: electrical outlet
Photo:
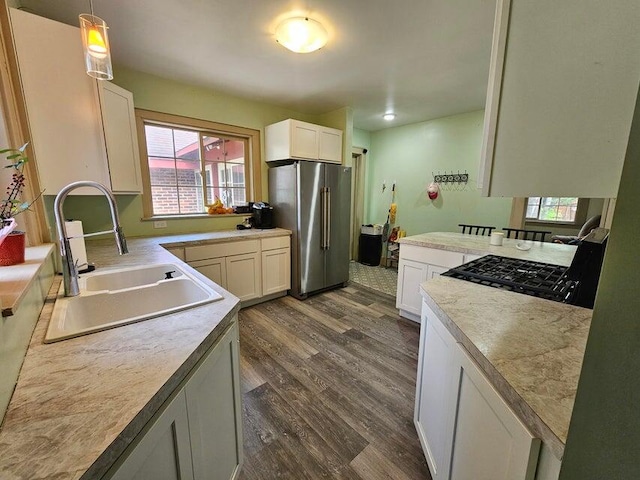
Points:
(160, 224)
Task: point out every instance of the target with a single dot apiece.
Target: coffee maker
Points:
(262, 215)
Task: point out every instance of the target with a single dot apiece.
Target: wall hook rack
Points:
(450, 177)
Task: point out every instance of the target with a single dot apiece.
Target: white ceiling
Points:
(422, 59)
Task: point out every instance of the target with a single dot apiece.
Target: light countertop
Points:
(545, 252)
(80, 402)
(531, 349)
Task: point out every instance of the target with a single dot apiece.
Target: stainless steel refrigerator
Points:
(313, 200)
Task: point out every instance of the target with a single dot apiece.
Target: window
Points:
(189, 163)
(552, 209)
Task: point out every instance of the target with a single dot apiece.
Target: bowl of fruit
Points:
(218, 208)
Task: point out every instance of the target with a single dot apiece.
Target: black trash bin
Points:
(370, 249)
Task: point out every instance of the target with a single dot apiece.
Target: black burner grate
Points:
(522, 276)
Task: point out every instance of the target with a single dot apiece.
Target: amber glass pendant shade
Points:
(95, 41)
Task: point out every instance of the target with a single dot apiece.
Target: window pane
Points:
(159, 141)
(213, 148)
(191, 200)
(189, 173)
(187, 144)
(236, 197)
(548, 213)
(218, 174)
(162, 171)
(234, 150)
(165, 200)
(532, 211)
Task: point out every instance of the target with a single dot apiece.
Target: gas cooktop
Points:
(538, 279)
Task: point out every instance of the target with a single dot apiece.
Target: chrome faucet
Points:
(69, 268)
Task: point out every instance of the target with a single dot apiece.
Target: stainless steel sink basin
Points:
(122, 296)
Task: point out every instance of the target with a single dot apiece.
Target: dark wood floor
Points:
(328, 389)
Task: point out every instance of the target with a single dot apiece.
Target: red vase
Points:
(12, 249)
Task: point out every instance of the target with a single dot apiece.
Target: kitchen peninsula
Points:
(426, 256)
(497, 370)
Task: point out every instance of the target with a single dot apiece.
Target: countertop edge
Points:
(524, 411)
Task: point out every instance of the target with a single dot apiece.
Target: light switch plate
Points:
(160, 224)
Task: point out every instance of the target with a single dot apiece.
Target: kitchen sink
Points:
(123, 296)
(121, 278)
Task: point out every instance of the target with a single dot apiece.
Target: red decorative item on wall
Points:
(432, 190)
(12, 249)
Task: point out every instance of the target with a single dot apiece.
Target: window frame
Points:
(579, 219)
(253, 162)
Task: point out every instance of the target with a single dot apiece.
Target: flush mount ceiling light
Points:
(301, 34)
(389, 116)
(97, 56)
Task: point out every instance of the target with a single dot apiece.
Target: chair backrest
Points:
(521, 234)
(476, 229)
(589, 225)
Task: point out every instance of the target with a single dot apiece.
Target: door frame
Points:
(358, 181)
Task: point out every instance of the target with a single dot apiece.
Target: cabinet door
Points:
(490, 441)
(329, 145)
(561, 96)
(164, 450)
(62, 103)
(244, 275)
(215, 413)
(304, 140)
(276, 271)
(119, 123)
(435, 401)
(410, 275)
(214, 269)
(435, 271)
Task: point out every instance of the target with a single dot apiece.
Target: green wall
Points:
(604, 433)
(361, 138)
(154, 93)
(409, 155)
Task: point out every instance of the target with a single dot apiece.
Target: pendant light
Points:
(95, 41)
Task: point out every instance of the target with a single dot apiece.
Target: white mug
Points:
(496, 238)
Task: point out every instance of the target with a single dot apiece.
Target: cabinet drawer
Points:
(275, 242)
(432, 256)
(202, 252)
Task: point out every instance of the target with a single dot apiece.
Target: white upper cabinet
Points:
(79, 130)
(119, 123)
(293, 139)
(562, 87)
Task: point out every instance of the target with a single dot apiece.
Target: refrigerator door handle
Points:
(328, 218)
(323, 209)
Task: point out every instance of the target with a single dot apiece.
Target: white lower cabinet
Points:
(410, 275)
(244, 273)
(433, 415)
(214, 269)
(276, 270)
(417, 265)
(198, 434)
(250, 269)
(490, 442)
(466, 429)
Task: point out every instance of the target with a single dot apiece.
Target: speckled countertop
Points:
(531, 349)
(80, 402)
(554, 253)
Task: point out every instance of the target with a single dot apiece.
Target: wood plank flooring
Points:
(328, 389)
